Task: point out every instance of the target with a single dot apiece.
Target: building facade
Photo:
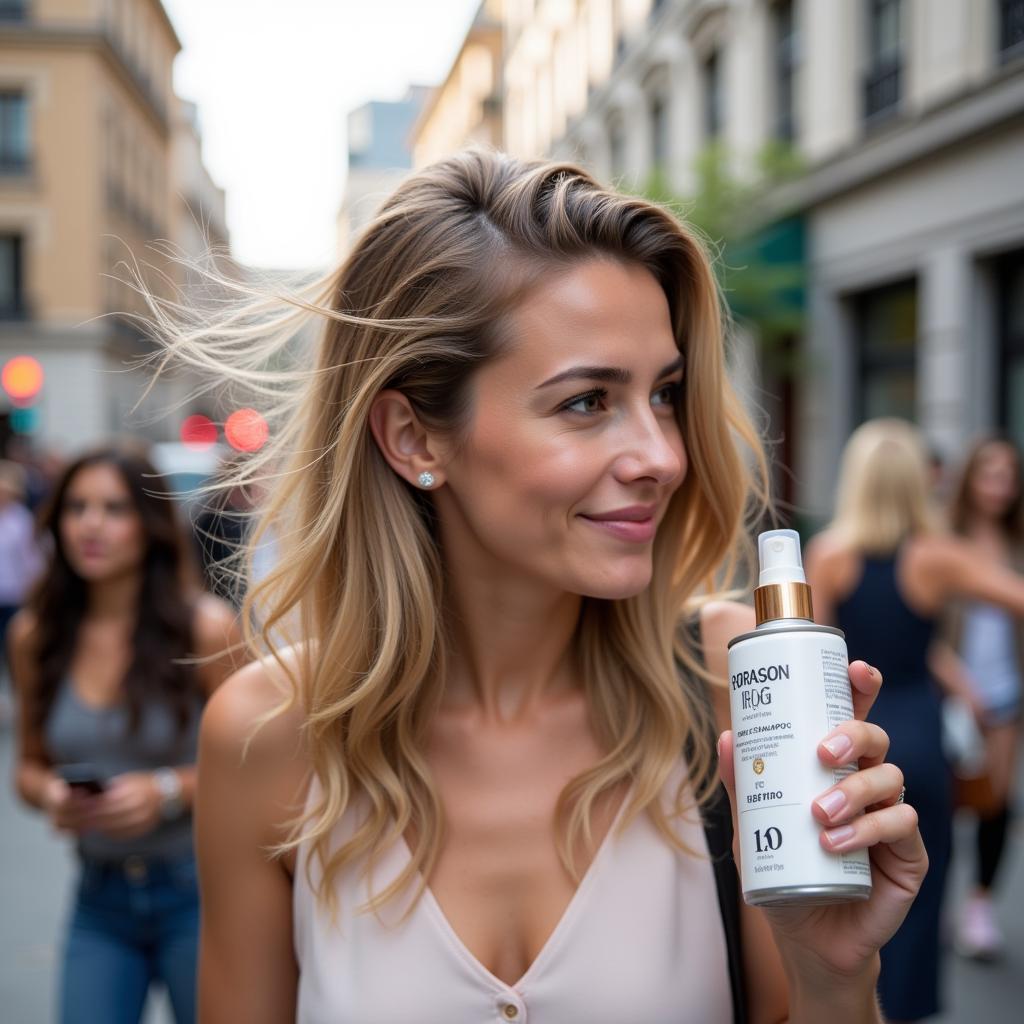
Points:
(466, 107)
(379, 157)
(90, 176)
(907, 119)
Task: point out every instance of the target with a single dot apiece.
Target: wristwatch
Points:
(168, 784)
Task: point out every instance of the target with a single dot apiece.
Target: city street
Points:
(36, 870)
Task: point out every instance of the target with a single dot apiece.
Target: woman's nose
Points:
(654, 450)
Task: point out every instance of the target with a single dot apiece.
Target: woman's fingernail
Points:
(839, 745)
(832, 803)
(839, 836)
(872, 671)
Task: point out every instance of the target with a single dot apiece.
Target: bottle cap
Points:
(779, 555)
(782, 591)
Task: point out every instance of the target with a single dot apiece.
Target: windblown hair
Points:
(421, 303)
(961, 509)
(162, 637)
(883, 493)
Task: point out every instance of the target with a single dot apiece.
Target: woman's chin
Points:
(617, 588)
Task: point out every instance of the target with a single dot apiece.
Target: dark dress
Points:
(882, 630)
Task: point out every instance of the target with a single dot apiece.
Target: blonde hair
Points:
(419, 305)
(883, 495)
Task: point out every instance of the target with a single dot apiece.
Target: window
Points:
(659, 132)
(1010, 300)
(786, 46)
(13, 133)
(1011, 29)
(887, 349)
(885, 57)
(712, 78)
(13, 10)
(12, 302)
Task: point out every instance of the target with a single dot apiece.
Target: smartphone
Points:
(83, 778)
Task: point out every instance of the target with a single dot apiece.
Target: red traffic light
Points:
(198, 432)
(246, 430)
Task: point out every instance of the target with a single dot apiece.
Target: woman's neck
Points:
(988, 531)
(115, 598)
(512, 647)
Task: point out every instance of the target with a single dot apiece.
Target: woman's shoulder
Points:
(829, 547)
(212, 611)
(22, 626)
(254, 715)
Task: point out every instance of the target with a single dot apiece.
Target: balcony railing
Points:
(1011, 30)
(882, 90)
(13, 10)
(15, 165)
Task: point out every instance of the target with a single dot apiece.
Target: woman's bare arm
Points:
(247, 968)
(958, 568)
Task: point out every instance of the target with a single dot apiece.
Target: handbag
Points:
(964, 746)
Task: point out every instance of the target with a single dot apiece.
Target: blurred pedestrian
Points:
(489, 524)
(883, 572)
(988, 509)
(220, 527)
(20, 558)
(109, 714)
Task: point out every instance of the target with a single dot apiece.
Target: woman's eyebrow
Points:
(608, 374)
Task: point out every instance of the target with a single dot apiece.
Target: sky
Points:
(274, 82)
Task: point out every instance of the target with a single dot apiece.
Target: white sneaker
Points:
(979, 936)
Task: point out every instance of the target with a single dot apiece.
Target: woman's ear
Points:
(402, 439)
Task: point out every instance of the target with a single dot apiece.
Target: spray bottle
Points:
(789, 686)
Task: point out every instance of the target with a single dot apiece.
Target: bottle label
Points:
(787, 692)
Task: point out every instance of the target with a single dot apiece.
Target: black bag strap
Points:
(717, 819)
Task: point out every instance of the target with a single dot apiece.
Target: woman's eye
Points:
(587, 404)
(668, 394)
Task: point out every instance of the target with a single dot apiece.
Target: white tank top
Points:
(640, 942)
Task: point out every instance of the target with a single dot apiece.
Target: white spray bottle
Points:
(789, 686)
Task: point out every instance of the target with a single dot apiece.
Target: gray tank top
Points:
(77, 733)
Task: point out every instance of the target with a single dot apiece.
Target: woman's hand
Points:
(821, 945)
(68, 809)
(129, 807)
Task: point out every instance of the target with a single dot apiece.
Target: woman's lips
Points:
(638, 531)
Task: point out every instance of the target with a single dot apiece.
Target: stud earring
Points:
(426, 479)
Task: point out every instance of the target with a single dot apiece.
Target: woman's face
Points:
(995, 482)
(574, 447)
(101, 531)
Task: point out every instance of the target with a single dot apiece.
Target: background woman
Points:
(513, 461)
(20, 558)
(97, 656)
(988, 509)
(883, 572)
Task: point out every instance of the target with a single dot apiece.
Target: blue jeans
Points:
(132, 924)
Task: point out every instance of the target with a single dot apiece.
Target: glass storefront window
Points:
(887, 352)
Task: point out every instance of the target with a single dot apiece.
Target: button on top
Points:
(511, 1011)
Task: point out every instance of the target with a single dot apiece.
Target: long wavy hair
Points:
(420, 304)
(961, 509)
(883, 493)
(162, 636)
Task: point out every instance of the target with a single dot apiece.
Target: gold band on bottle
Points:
(783, 601)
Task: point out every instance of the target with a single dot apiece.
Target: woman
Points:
(460, 792)
(883, 572)
(104, 657)
(20, 557)
(987, 509)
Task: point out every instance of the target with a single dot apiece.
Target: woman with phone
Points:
(114, 656)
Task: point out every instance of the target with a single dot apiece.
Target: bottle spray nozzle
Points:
(779, 555)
